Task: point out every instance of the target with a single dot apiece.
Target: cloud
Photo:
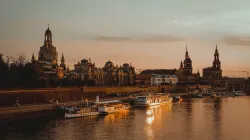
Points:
(237, 40)
(162, 38)
(110, 38)
(143, 38)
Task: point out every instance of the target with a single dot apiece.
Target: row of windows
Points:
(174, 79)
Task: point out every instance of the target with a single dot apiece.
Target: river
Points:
(192, 119)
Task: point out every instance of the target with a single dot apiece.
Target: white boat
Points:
(107, 107)
(82, 112)
(239, 93)
(153, 100)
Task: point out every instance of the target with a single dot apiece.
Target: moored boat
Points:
(153, 100)
(239, 93)
(112, 106)
(81, 112)
(214, 95)
(177, 99)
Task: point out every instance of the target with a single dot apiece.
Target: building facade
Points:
(109, 75)
(238, 83)
(157, 79)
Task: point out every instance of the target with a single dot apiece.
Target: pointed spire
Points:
(62, 59)
(48, 26)
(33, 58)
(181, 66)
(186, 56)
(186, 48)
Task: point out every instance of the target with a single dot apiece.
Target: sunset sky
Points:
(150, 34)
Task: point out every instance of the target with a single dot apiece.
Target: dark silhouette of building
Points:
(214, 73)
(185, 72)
(188, 68)
(47, 63)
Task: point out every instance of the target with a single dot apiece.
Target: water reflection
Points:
(217, 118)
(194, 119)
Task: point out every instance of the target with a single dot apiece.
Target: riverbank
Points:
(40, 96)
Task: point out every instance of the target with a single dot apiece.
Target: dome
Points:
(109, 64)
(188, 60)
(126, 65)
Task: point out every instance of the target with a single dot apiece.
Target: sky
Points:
(150, 34)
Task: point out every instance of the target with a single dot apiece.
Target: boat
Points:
(177, 99)
(214, 95)
(81, 112)
(198, 95)
(107, 107)
(153, 100)
(239, 93)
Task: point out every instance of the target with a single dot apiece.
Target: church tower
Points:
(188, 63)
(47, 52)
(216, 62)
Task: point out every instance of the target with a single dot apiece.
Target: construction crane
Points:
(242, 71)
(247, 76)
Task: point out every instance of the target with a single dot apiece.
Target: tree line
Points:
(17, 72)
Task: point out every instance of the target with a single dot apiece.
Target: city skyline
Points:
(104, 32)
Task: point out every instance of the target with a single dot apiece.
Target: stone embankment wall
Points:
(36, 96)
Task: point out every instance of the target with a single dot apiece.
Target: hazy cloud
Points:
(162, 38)
(237, 40)
(147, 38)
(110, 38)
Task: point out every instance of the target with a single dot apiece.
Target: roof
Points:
(188, 60)
(159, 71)
(143, 77)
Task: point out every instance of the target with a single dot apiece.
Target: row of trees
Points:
(17, 72)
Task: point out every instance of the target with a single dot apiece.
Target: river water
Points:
(192, 119)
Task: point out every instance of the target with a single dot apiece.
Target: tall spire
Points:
(181, 66)
(186, 47)
(186, 56)
(33, 58)
(62, 59)
(216, 63)
(63, 62)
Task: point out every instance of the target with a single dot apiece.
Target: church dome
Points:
(126, 65)
(188, 60)
(109, 64)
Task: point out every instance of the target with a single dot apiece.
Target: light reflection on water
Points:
(194, 119)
